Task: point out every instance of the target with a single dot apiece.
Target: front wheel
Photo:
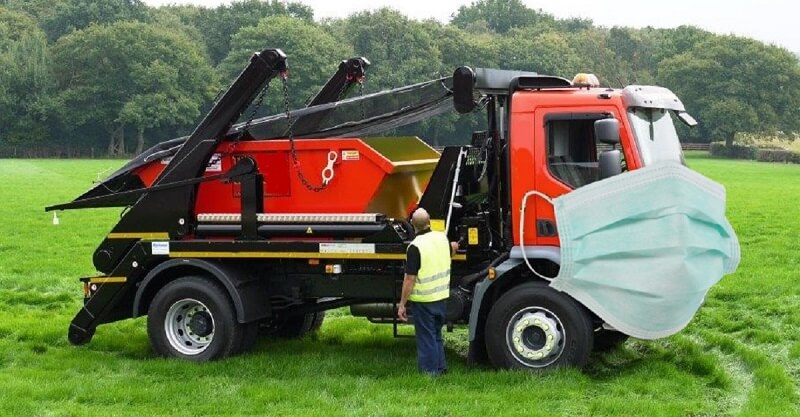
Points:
(193, 318)
(533, 326)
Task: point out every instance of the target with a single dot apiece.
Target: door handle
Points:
(546, 228)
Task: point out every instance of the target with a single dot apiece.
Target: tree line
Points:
(112, 77)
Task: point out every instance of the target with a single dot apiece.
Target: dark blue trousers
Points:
(428, 321)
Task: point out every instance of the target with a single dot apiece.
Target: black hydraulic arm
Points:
(118, 189)
(350, 72)
(168, 210)
(191, 159)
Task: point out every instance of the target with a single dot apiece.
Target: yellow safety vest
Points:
(433, 278)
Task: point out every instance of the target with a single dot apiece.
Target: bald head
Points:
(420, 219)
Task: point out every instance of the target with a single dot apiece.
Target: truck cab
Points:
(552, 133)
(547, 137)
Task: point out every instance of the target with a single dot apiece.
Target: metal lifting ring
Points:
(327, 172)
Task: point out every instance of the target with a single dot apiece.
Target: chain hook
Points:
(293, 150)
(361, 95)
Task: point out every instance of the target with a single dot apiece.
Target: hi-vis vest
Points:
(433, 278)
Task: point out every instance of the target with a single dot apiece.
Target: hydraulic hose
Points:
(522, 231)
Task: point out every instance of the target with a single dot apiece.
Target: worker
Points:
(426, 288)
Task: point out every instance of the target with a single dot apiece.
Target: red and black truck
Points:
(260, 227)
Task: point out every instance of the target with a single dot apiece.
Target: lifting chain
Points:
(256, 107)
(327, 172)
(361, 81)
(361, 95)
(249, 121)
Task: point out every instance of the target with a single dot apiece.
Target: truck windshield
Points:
(655, 135)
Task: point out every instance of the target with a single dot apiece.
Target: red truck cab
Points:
(554, 148)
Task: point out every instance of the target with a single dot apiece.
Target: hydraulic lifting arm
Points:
(350, 73)
(124, 187)
(165, 207)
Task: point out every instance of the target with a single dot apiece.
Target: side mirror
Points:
(610, 164)
(607, 131)
(463, 89)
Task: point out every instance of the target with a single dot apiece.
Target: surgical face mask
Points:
(641, 249)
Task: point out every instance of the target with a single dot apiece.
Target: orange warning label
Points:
(351, 155)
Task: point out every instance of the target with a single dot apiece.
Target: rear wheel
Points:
(533, 326)
(193, 318)
(293, 327)
(316, 322)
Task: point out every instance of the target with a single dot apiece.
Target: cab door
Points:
(563, 155)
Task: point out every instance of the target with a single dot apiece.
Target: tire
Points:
(316, 323)
(535, 327)
(295, 327)
(193, 318)
(607, 340)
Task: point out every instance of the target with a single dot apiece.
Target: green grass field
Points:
(740, 356)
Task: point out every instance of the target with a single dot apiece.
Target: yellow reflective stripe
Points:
(428, 286)
(434, 277)
(430, 289)
(437, 296)
(108, 280)
(152, 235)
(442, 288)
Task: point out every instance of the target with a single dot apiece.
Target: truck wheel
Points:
(316, 323)
(607, 340)
(298, 326)
(533, 326)
(193, 318)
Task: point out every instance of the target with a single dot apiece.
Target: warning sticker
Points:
(346, 248)
(472, 236)
(159, 248)
(351, 155)
(215, 163)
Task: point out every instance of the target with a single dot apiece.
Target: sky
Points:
(771, 21)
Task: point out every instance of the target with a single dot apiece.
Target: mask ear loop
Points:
(522, 230)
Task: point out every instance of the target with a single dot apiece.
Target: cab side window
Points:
(572, 151)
